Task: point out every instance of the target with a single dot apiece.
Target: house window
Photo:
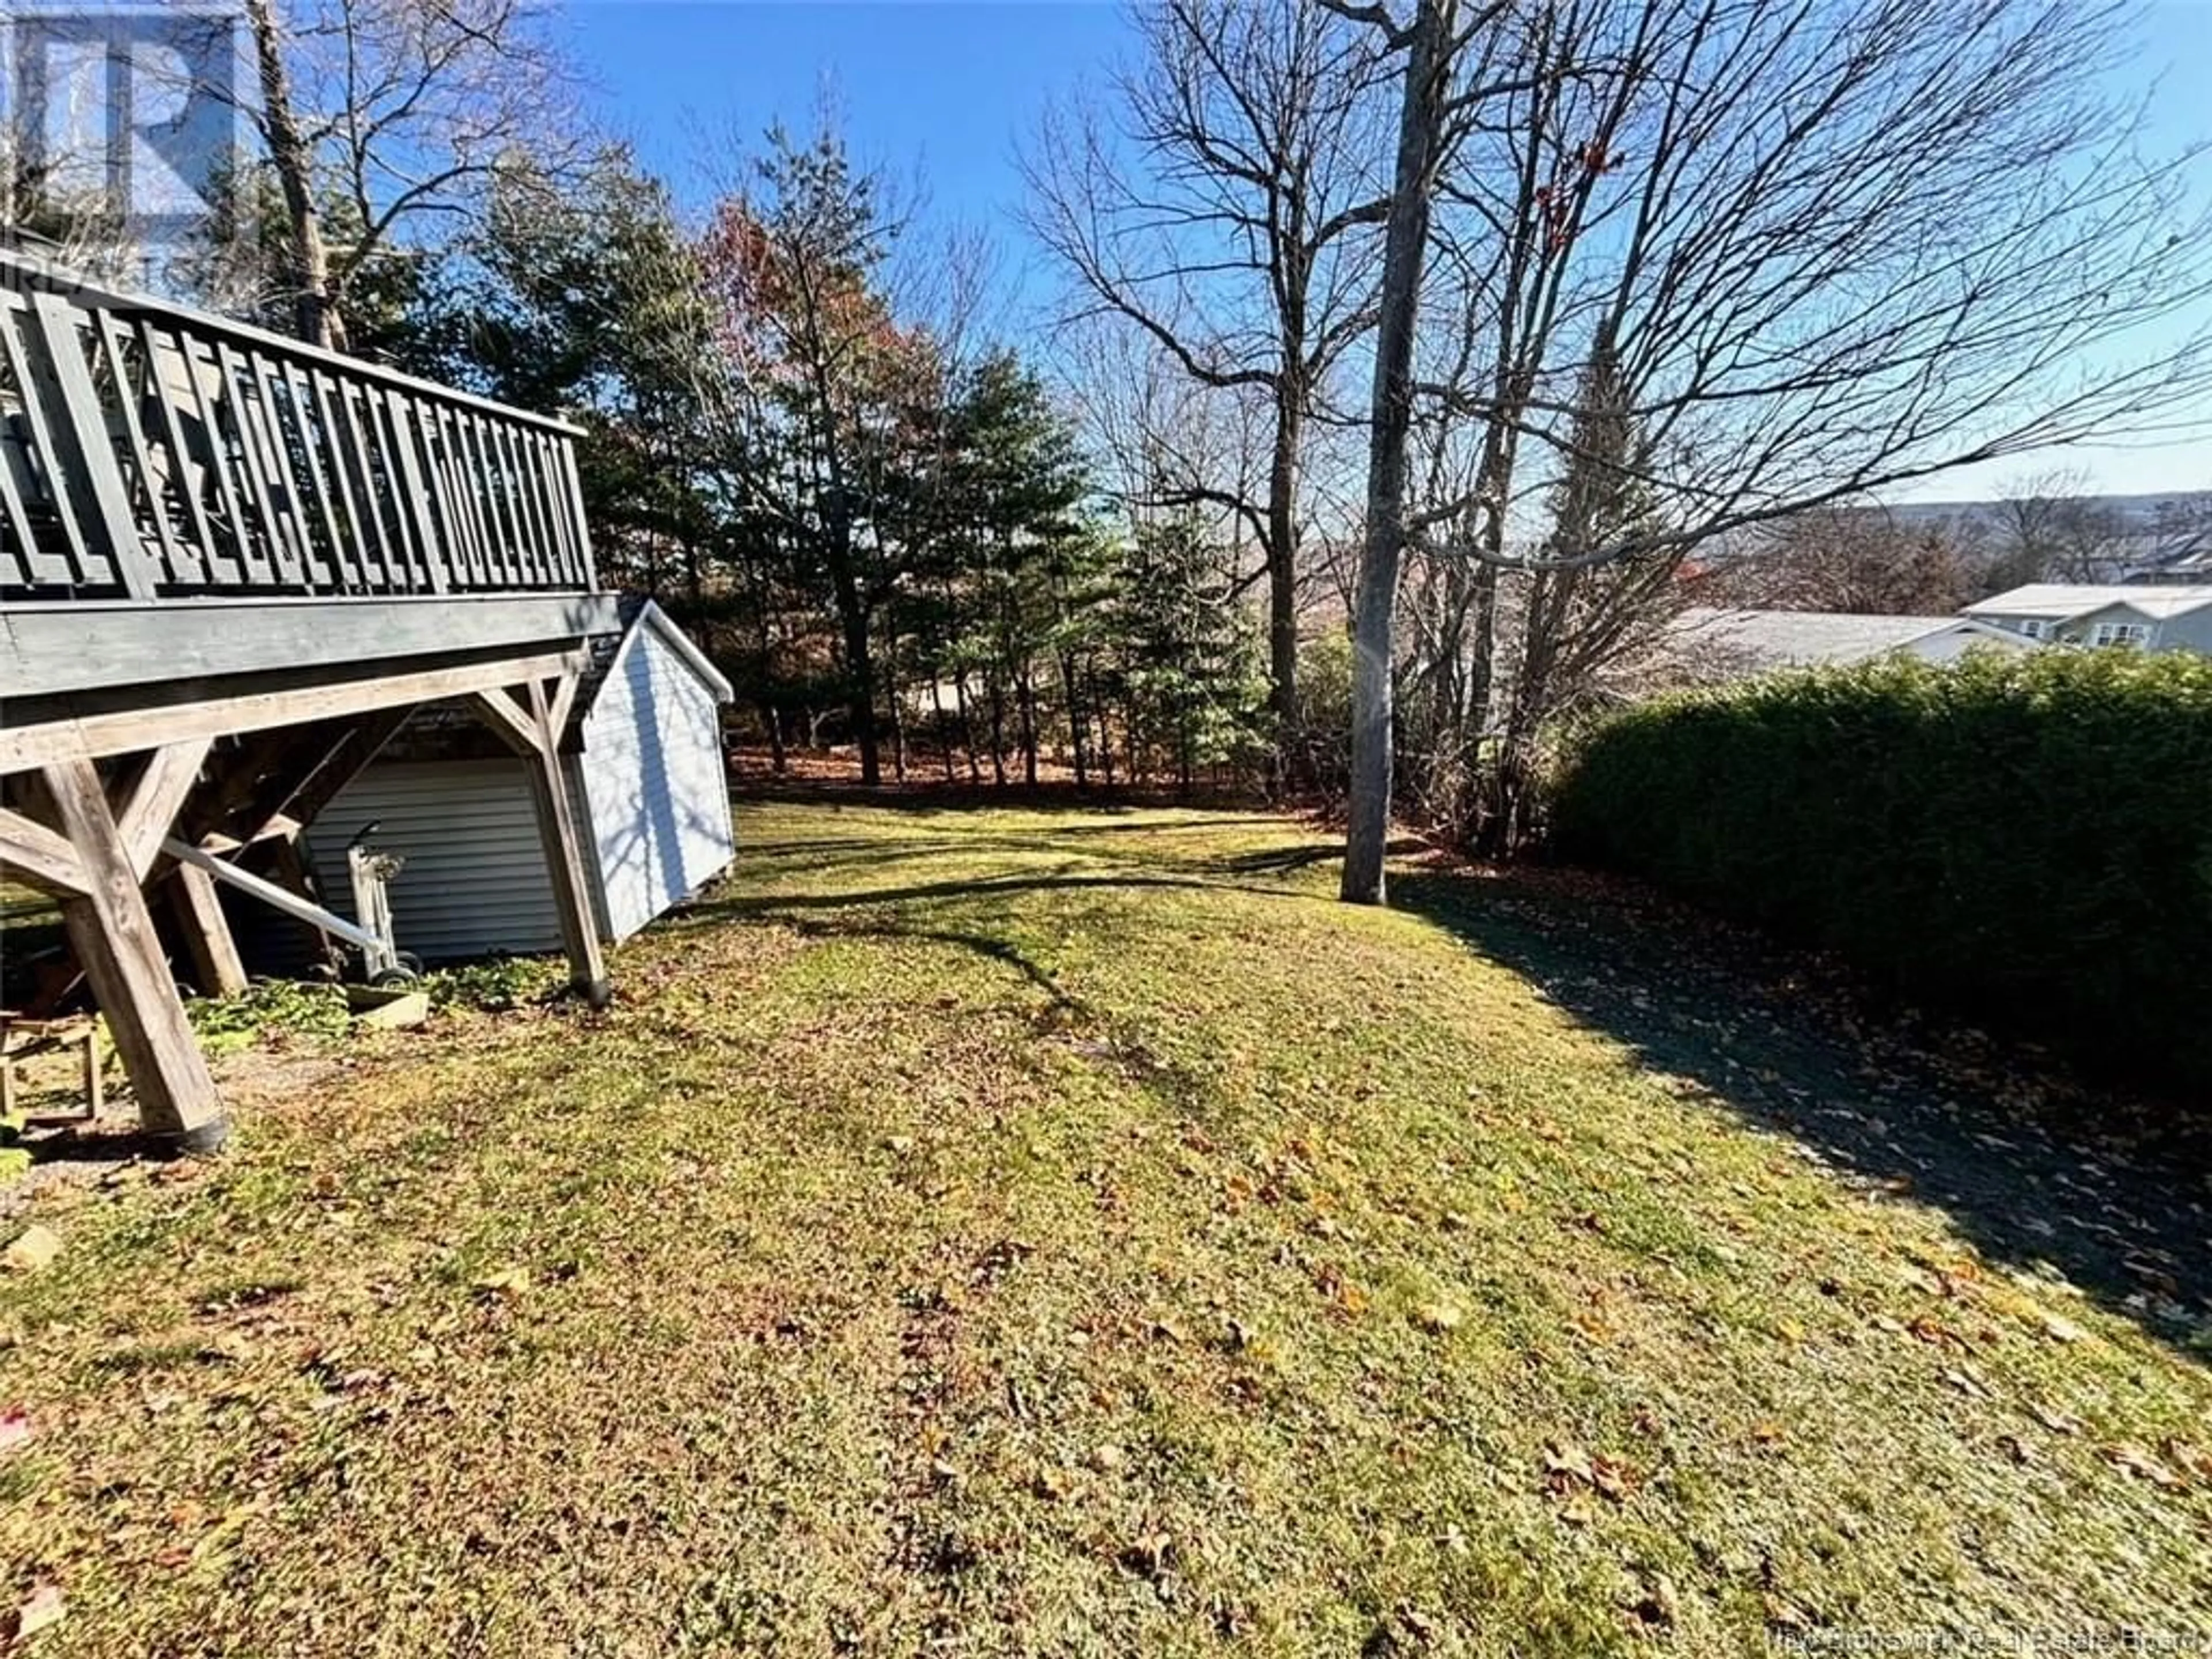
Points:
(2032, 627)
(2120, 634)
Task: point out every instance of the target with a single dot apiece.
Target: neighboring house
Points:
(2149, 618)
(646, 782)
(1716, 645)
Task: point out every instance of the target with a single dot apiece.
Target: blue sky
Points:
(953, 89)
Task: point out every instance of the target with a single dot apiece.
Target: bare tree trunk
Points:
(1025, 695)
(998, 728)
(314, 319)
(860, 658)
(1420, 129)
(967, 727)
(1282, 569)
(944, 729)
(1076, 718)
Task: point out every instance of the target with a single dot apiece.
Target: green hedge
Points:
(2024, 838)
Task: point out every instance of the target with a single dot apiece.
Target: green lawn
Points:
(1072, 1232)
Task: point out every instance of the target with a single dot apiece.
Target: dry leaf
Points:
(42, 1607)
(1054, 1482)
(1768, 1433)
(2058, 1422)
(2059, 1328)
(1564, 1464)
(1438, 1318)
(1611, 1480)
(1966, 1382)
(14, 1429)
(2140, 1464)
(35, 1248)
(512, 1283)
(2194, 1459)
(1107, 1455)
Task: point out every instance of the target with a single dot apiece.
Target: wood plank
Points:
(31, 276)
(141, 456)
(415, 501)
(48, 651)
(173, 434)
(563, 695)
(115, 941)
(219, 462)
(313, 434)
(95, 472)
(246, 417)
(346, 462)
(169, 776)
(579, 527)
(557, 834)
(39, 393)
(39, 856)
(125, 730)
(216, 965)
(508, 719)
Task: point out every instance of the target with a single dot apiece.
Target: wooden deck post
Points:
(529, 729)
(113, 935)
(206, 931)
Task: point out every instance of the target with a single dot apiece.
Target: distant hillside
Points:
(2143, 513)
(2163, 537)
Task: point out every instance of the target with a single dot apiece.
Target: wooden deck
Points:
(229, 565)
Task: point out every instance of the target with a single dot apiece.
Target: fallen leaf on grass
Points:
(1769, 1433)
(42, 1607)
(511, 1283)
(1966, 1382)
(2194, 1459)
(1438, 1318)
(2059, 1328)
(2134, 1460)
(35, 1248)
(2057, 1421)
(14, 1429)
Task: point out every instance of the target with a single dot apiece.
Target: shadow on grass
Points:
(2127, 1225)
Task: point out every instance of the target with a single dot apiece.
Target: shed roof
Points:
(448, 730)
(2066, 600)
(1781, 638)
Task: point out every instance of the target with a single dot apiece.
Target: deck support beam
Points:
(524, 719)
(112, 933)
(206, 931)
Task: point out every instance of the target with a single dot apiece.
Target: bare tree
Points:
(1246, 252)
(2050, 528)
(1827, 249)
(1859, 558)
(384, 122)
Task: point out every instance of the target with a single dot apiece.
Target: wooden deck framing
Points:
(229, 565)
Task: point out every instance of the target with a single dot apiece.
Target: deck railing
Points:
(151, 452)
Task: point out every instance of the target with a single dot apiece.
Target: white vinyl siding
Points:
(474, 880)
(650, 794)
(655, 788)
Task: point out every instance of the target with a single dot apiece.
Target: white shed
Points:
(646, 778)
